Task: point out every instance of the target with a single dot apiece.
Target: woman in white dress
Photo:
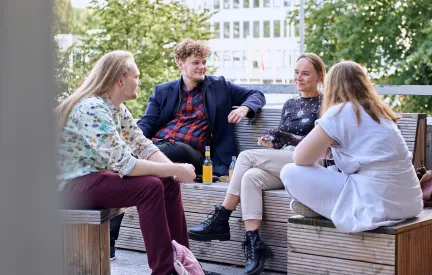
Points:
(374, 183)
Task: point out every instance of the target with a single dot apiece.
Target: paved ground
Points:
(133, 263)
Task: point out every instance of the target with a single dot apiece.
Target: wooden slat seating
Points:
(199, 200)
(316, 247)
(86, 240)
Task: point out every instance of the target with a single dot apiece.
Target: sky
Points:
(79, 3)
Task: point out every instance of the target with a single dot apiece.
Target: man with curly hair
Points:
(187, 114)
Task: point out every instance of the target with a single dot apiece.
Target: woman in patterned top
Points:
(97, 142)
(259, 169)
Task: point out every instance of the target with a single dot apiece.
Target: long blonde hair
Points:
(347, 81)
(101, 78)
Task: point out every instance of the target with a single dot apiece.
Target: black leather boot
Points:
(256, 253)
(215, 227)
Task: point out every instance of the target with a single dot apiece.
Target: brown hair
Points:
(101, 78)
(347, 82)
(190, 47)
(316, 62)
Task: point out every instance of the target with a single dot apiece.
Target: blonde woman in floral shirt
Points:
(97, 142)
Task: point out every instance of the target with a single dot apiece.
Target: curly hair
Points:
(190, 47)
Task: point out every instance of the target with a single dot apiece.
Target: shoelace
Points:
(248, 248)
(211, 216)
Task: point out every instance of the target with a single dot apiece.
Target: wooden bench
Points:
(86, 240)
(315, 246)
(199, 200)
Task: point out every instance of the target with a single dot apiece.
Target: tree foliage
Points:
(83, 20)
(63, 16)
(149, 29)
(392, 39)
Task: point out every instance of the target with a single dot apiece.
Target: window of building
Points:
(266, 28)
(295, 55)
(245, 60)
(227, 60)
(227, 30)
(236, 4)
(256, 3)
(216, 59)
(245, 3)
(287, 29)
(246, 31)
(236, 30)
(267, 3)
(276, 28)
(237, 59)
(256, 29)
(216, 30)
(277, 3)
(216, 4)
(226, 4)
(287, 3)
(297, 29)
(256, 59)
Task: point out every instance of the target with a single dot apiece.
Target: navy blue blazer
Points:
(219, 97)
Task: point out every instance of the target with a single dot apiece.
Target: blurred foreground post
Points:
(30, 236)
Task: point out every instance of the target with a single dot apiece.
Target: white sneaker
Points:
(301, 209)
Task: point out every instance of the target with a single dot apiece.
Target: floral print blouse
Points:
(98, 137)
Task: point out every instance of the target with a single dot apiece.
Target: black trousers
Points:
(177, 152)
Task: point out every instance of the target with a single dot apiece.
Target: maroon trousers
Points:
(159, 205)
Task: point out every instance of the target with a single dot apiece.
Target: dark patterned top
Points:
(190, 124)
(297, 120)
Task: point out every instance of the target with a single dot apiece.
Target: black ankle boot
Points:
(256, 253)
(215, 227)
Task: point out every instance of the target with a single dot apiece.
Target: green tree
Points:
(63, 16)
(149, 29)
(392, 39)
(83, 20)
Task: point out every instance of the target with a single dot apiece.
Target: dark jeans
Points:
(177, 152)
(180, 152)
(159, 205)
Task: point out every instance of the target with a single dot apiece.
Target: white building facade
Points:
(253, 42)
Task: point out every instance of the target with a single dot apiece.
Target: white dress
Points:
(382, 187)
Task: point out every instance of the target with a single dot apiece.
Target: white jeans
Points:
(315, 186)
(257, 170)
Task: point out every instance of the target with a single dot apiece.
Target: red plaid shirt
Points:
(190, 124)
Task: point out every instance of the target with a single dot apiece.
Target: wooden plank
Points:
(222, 187)
(88, 216)
(81, 249)
(414, 251)
(225, 252)
(202, 198)
(420, 144)
(273, 233)
(423, 219)
(305, 264)
(329, 242)
(104, 243)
